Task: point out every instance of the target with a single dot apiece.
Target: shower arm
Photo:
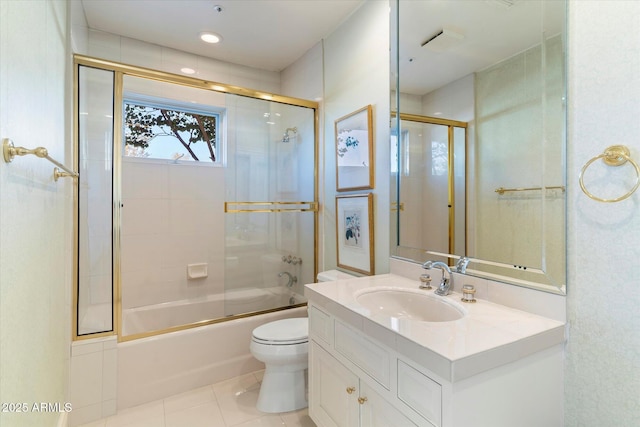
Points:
(285, 137)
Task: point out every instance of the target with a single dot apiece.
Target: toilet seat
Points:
(283, 332)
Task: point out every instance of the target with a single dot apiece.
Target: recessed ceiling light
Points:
(210, 37)
(188, 70)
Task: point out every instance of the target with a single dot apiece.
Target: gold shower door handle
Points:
(361, 400)
(350, 390)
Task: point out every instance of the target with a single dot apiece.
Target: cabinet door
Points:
(333, 391)
(377, 412)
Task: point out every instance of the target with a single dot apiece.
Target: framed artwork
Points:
(354, 233)
(354, 150)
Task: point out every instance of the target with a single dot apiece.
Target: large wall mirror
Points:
(478, 137)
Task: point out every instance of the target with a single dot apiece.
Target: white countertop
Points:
(489, 335)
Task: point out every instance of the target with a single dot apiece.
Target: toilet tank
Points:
(333, 275)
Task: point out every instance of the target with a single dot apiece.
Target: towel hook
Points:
(615, 155)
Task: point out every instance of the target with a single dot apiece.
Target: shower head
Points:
(286, 136)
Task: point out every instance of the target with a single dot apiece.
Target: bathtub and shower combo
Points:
(194, 219)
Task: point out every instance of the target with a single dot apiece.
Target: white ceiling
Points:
(265, 34)
(491, 30)
(272, 34)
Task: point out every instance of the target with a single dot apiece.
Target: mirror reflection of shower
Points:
(286, 136)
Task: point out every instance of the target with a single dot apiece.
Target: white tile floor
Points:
(230, 403)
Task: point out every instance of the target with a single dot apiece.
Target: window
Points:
(167, 132)
(439, 158)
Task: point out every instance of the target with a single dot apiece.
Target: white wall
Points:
(603, 352)
(35, 212)
(356, 73)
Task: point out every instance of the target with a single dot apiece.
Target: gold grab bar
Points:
(503, 190)
(271, 207)
(10, 151)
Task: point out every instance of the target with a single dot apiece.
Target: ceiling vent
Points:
(443, 40)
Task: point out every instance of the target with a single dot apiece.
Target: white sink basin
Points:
(407, 303)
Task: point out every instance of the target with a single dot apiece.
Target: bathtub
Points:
(162, 316)
(163, 365)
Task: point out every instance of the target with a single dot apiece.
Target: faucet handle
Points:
(425, 281)
(461, 265)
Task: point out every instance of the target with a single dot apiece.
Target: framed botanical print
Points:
(354, 228)
(354, 150)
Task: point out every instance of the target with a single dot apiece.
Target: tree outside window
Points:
(167, 133)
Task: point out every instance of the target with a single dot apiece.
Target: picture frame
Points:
(354, 233)
(354, 150)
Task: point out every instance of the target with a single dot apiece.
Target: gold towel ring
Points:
(615, 155)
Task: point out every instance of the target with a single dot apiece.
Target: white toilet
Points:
(283, 346)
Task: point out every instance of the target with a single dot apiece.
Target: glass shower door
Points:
(270, 192)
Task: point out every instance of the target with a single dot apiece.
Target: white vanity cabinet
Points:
(367, 372)
(338, 398)
(355, 390)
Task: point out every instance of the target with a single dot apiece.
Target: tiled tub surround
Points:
(106, 375)
(160, 366)
(495, 366)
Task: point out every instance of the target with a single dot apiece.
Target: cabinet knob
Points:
(361, 400)
(350, 390)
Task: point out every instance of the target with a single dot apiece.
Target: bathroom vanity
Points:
(376, 359)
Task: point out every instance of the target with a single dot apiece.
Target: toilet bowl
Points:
(283, 347)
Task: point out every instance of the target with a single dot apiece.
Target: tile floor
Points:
(230, 403)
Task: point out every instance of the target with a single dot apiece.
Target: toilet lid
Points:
(283, 331)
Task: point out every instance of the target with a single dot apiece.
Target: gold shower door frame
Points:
(451, 125)
(120, 70)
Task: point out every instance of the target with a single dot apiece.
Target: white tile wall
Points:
(141, 53)
(172, 216)
(92, 382)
